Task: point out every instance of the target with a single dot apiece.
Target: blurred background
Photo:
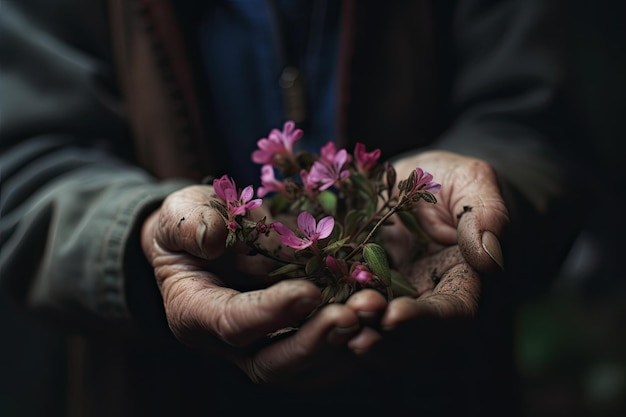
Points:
(571, 345)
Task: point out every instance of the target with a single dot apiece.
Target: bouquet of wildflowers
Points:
(341, 200)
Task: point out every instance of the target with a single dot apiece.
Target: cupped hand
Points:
(470, 210)
(185, 243)
(411, 331)
(464, 225)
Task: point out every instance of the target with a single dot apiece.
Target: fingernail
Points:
(305, 305)
(200, 233)
(367, 315)
(491, 245)
(340, 335)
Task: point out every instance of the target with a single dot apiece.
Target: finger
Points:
(364, 341)
(319, 340)
(478, 215)
(454, 299)
(368, 304)
(255, 264)
(244, 272)
(427, 272)
(401, 244)
(416, 332)
(424, 275)
(201, 311)
(457, 294)
(480, 227)
(188, 223)
(440, 310)
(481, 217)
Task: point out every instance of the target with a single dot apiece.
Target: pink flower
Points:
(328, 153)
(424, 182)
(277, 143)
(365, 160)
(325, 175)
(309, 186)
(225, 188)
(361, 274)
(236, 204)
(269, 182)
(311, 231)
(339, 268)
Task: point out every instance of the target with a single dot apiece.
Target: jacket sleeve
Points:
(72, 203)
(507, 67)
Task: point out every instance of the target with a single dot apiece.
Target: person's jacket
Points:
(104, 113)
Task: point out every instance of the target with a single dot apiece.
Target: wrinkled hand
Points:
(470, 210)
(464, 226)
(185, 242)
(411, 331)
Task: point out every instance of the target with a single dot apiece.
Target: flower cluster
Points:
(338, 202)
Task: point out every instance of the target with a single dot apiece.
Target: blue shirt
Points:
(245, 45)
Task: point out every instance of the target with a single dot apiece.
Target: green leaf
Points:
(335, 245)
(376, 259)
(410, 222)
(328, 200)
(428, 196)
(313, 265)
(364, 184)
(342, 293)
(353, 220)
(327, 294)
(370, 203)
(285, 269)
(407, 185)
(231, 239)
(400, 285)
(219, 207)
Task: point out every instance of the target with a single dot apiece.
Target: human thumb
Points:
(187, 222)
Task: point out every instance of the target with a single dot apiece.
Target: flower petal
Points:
(289, 238)
(247, 194)
(433, 187)
(325, 227)
(306, 224)
(251, 205)
(282, 229)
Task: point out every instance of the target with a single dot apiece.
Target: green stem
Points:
(269, 255)
(383, 219)
(372, 217)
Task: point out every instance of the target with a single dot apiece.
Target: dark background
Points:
(572, 339)
(571, 345)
